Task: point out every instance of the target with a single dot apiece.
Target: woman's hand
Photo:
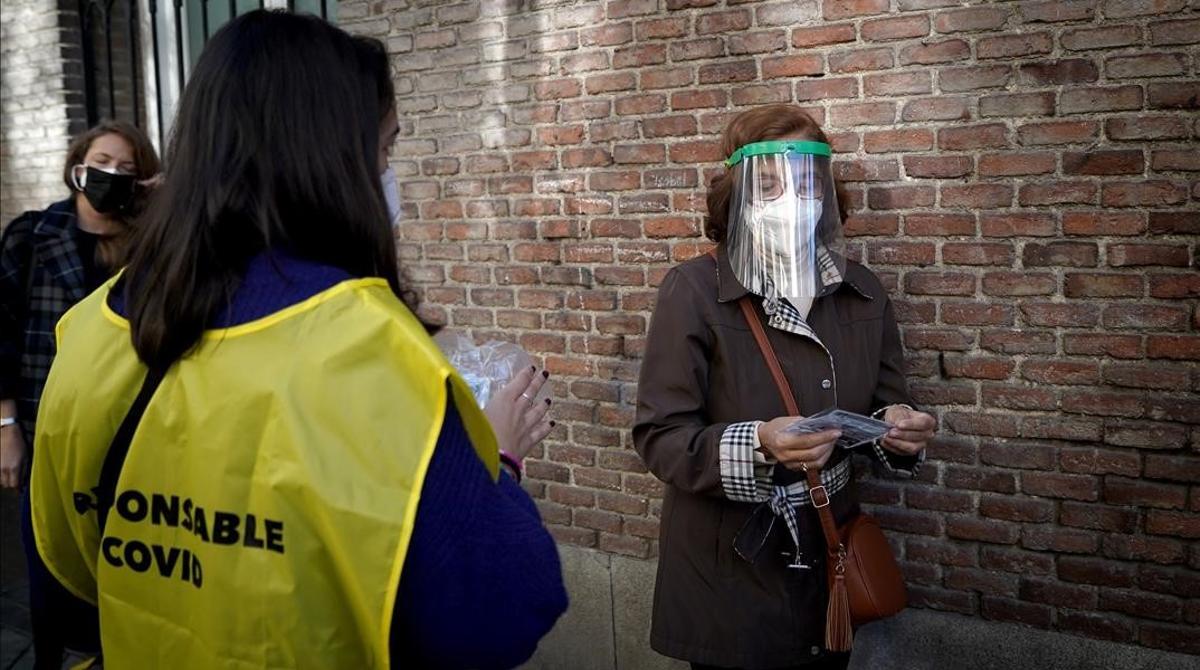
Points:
(796, 451)
(911, 430)
(518, 419)
(12, 456)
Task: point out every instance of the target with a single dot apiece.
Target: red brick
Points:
(1175, 160)
(1058, 11)
(561, 135)
(1100, 99)
(1015, 560)
(1103, 162)
(947, 51)
(866, 170)
(787, 66)
(1016, 104)
(1056, 314)
(1020, 509)
(863, 114)
(859, 60)
(841, 9)
(1079, 285)
(729, 72)
(1141, 604)
(885, 141)
(979, 196)
(1098, 517)
(1013, 46)
(1175, 223)
(557, 89)
(1055, 73)
(1145, 316)
(619, 9)
(1123, 255)
(1121, 491)
(1176, 95)
(935, 109)
(607, 35)
(1009, 164)
(641, 104)
(982, 530)
(881, 30)
(1119, 9)
(942, 339)
(938, 167)
(871, 224)
(970, 579)
(940, 552)
(1145, 65)
(696, 152)
(1058, 132)
(937, 224)
(1182, 347)
(1140, 127)
(908, 83)
(804, 38)
(1099, 461)
(1051, 592)
(1142, 548)
(939, 500)
(698, 99)
(1060, 193)
(1060, 372)
(970, 20)
(909, 521)
(1055, 485)
(1147, 377)
(1017, 342)
(1144, 193)
(1017, 225)
(824, 89)
(1096, 571)
(1018, 284)
(766, 41)
(966, 138)
(1107, 37)
(1186, 31)
(1175, 468)
(1003, 609)
(939, 283)
(973, 78)
(1103, 223)
(1186, 525)
(1061, 540)
(900, 197)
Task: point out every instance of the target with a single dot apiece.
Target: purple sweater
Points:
(481, 582)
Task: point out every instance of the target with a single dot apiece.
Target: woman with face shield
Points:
(742, 567)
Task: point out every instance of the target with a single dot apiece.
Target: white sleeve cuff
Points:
(903, 466)
(745, 471)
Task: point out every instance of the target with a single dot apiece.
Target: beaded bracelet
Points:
(511, 461)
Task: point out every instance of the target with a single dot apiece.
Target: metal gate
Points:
(121, 79)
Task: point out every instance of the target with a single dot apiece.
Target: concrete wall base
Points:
(608, 628)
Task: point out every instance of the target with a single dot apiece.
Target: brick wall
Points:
(34, 123)
(1023, 178)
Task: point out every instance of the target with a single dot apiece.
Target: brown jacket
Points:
(703, 371)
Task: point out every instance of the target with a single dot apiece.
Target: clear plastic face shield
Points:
(785, 232)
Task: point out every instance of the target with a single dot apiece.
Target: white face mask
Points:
(788, 238)
(391, 193)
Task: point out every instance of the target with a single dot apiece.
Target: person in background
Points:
(280, 468)
(49, 260)
(735, 588)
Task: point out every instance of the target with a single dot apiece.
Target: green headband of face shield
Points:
(778, 147)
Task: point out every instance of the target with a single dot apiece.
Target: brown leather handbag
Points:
(865, 583)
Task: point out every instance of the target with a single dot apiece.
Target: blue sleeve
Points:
(481, 582)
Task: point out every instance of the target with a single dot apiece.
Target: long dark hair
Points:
(275, 145)
(767, 122)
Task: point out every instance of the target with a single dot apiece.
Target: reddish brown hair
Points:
(768, 122)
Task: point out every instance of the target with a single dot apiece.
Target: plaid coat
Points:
(41, 277)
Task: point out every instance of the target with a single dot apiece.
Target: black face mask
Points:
(108, 193)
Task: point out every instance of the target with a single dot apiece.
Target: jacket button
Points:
(816, 650)
(826, 384)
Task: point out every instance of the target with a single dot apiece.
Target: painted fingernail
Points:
(553, 424)
(547, 401)
(533, 368)
(546, 374)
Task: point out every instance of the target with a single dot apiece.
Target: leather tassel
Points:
(839, 634)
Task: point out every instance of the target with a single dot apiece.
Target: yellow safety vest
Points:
(266, 504)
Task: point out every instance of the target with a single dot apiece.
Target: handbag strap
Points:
(816, 491)
(114, 459)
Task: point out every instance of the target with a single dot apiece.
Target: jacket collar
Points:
(57, 249)
(730, 289)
